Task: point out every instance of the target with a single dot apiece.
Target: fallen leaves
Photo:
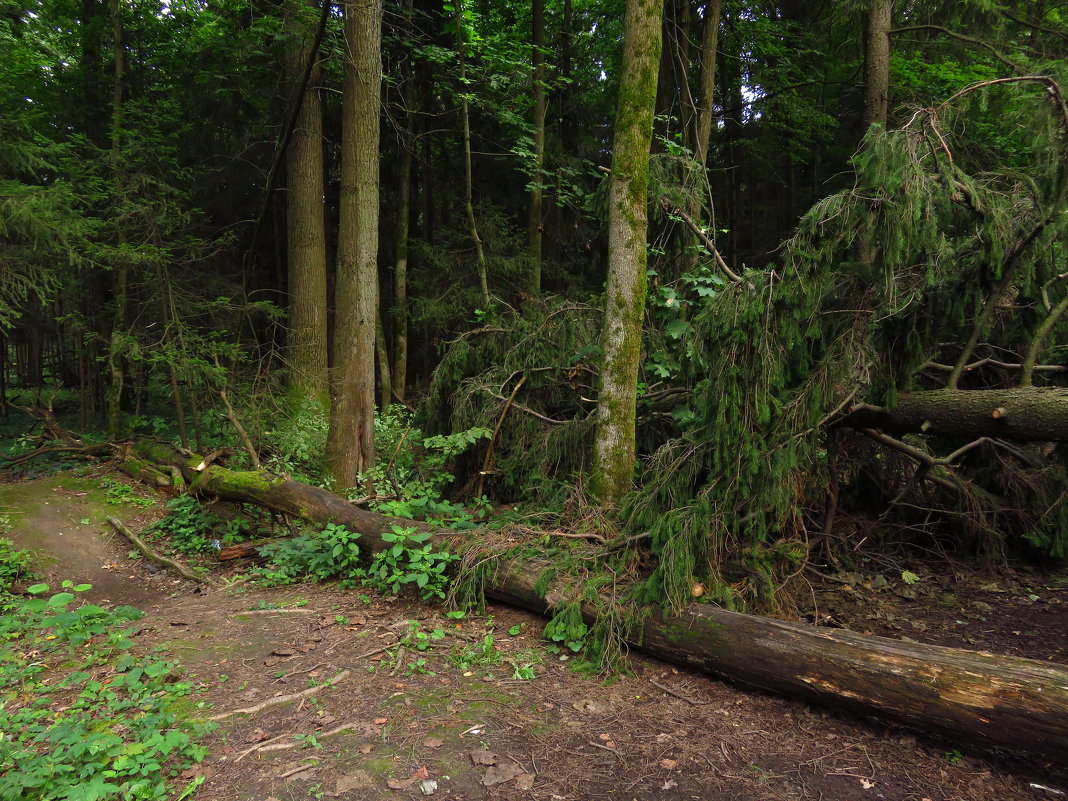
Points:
(500, 770)
(404, 784)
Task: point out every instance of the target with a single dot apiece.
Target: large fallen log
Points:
(977, 698)
(1021, 413)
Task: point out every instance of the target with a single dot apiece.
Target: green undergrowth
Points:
(83, 718)
(408, 560)
(573, 578)
(192, 529)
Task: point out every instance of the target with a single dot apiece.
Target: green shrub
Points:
(327, 554)
(14, 564)
(409, 559)
(189, 525)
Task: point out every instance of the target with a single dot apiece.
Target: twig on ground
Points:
(671, 692)
(300, 769)
(272, 745)
(281, 699)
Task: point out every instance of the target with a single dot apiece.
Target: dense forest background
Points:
(220, 225)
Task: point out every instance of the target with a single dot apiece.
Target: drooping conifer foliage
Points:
(856, 241)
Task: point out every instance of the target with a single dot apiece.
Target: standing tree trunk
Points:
(350, 442)
(709, 45)
(480, 253)
(614, 448)
(537, 77)
(877, 62)
(404, 210)
(118, 333)
(305, 226)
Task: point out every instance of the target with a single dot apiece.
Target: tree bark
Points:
(877, 25)
(537, 77)
(977, 698)
(306, 225)
(399, 371)
(1021, 413)
(709, 47)
(350, 441)
(614, 446)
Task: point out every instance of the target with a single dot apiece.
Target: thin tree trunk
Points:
(350, 441)
(385, 380)
(399, 372)
(480, 254)
(537, 76)
(3, 375)
(121, 269)
(614, 443)
(306, 227)
(709, 45)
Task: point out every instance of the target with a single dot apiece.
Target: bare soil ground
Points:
(345, 709)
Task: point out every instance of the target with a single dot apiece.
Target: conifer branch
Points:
(961, 37)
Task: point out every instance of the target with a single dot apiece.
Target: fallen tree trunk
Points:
(982, 699)
(1021, 413)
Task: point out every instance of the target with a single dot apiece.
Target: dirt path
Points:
(349, 707)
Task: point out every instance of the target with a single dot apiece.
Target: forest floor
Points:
(348, 706)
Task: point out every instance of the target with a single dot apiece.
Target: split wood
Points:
(281, 699)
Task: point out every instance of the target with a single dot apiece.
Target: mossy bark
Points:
(614, 447)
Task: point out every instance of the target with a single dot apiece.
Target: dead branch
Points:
(493, 438)
(281, 699)
(706, 241)
(272, 745)
(158, 558)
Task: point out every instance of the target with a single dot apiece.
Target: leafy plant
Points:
(117, 493)
(568, 628)
(485, 654)
(102, 723)
(323, 555)
(409, 559)
(14, 563)
(410, 483)
(188, 524)
(420, 639)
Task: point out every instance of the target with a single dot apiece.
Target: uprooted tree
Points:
(921, 384)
